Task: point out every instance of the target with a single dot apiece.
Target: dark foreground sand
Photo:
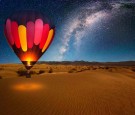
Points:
(95, 92)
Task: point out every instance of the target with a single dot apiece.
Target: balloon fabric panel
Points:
(14, 28)
(45, 32)
(38, 31)
(9, 32)
(50, 36)
(30, 34)
(22, 36)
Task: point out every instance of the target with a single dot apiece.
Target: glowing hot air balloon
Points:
(29, 34)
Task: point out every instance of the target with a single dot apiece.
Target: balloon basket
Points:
(28, 75)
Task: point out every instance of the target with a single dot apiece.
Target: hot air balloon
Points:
(29, 34)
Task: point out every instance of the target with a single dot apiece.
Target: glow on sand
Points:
(27, 86)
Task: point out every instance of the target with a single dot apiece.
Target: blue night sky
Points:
(87, 30)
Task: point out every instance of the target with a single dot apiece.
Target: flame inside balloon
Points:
(29, 35)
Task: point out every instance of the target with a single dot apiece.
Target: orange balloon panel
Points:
(23, 39)
(50, 36)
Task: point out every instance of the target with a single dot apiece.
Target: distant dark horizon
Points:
(74, 61)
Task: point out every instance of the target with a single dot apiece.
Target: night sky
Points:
(87, 30)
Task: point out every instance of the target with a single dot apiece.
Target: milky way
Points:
(85, 18)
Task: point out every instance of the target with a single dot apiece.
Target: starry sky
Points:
(102, 31)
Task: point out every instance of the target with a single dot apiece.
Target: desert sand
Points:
(67, 90)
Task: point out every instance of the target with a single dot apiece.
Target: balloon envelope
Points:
(29, 34)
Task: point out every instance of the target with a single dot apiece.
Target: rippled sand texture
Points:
(90, 92)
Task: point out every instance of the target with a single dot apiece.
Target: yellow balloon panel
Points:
(50, 36)
(22, 36)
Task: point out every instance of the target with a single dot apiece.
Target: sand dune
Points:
(100, 91)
